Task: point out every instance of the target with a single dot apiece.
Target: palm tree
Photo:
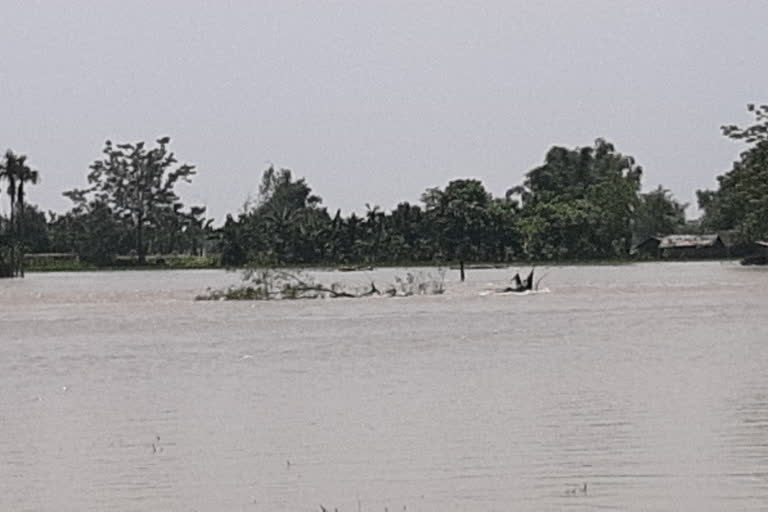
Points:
(16, 171)
(24, 175)
(8, 170)
(5, 267)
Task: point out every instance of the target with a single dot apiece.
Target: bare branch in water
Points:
(274, 284)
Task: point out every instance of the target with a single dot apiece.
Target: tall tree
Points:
(232, 243)
(561, 230)
(24, 175)
(658, 213)
(407, 237)
(741, 200)
(755, 133)
(596, 185)
(97, 234)
(285, 223)
(461, 215)
(15, 170)
(137, 184)
(9, 170)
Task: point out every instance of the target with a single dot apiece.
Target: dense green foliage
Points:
(658, 213)
(134, 186)
(131, 205)
(741, 201)
(580, 203)
(288, 225)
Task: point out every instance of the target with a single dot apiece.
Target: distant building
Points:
(737, 248)
(759, 255)
(647, 249)
(692, 246)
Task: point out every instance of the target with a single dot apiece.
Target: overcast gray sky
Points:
(374, 101)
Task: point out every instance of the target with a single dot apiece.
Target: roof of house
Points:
(651, 241)
(688, 241)
(762, 243)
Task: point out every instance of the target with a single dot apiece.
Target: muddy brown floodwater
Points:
(647, 382)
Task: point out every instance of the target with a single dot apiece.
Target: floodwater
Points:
(648, 383)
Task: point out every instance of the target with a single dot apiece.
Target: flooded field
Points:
(639, 387)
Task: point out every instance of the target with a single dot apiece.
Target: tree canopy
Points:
(741, 201)
(659, 213)
(580, 203)
(135, 184)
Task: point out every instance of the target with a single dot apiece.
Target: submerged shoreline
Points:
(362, 267)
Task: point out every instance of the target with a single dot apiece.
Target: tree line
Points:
(581, 203)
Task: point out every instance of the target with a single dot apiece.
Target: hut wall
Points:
(716, 251)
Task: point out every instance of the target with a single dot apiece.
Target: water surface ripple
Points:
(647, 382)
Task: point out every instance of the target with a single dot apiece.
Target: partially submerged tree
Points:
(275, 284)
(461, 217)
(137, 184)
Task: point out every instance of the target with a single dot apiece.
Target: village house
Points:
(693, 246)
(709, 246)
(647, 249)
(759, 254)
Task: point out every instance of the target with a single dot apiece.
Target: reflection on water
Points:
(644, 382)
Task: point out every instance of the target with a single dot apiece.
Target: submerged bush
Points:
(273, 284)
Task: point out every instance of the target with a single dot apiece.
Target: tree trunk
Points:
(140, 240)
(20, 221)
(12, 199)
(461, 270)
(12, 230)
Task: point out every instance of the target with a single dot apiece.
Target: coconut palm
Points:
(17, 173)
(8, 171)
(24, 175)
